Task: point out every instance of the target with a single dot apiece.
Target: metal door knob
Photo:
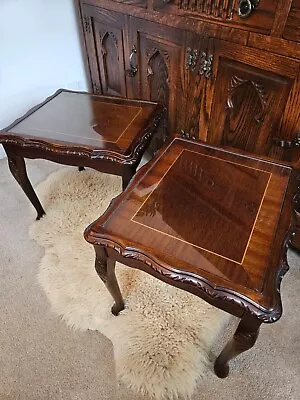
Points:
(246, 7)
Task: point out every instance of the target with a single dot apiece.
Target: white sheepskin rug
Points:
(162, 340)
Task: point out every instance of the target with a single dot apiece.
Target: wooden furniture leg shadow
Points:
(210, 221)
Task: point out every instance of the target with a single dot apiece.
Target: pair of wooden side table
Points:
(213, 222)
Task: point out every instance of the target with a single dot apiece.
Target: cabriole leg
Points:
(105, 268)
(18, 169)
(244, 338)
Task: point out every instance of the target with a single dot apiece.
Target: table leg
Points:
(244, 338)
(105, 268)
(128, 172)
(18, 169)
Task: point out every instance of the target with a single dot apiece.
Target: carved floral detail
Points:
(215, 293)
(110, 34)
(236, 82)
(87, 24)
(220, 9)
(150, 53)
(103, 38)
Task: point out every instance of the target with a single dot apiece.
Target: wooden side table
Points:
(212, 222)
(74, 128)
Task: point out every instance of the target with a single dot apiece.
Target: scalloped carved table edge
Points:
(105, 133)
(210, 221)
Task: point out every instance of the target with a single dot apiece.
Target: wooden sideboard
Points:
(228, 70)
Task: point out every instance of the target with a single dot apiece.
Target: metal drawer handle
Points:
(133, 68)
(287, 144)
(246, 7)
(206, 65)
(191, 59)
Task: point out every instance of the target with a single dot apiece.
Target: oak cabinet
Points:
(216, 82)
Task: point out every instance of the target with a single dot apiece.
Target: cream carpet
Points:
(41, 358)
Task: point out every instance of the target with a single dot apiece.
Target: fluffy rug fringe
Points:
(162, 339)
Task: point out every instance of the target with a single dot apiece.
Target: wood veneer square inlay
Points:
(73, 115)
(207, 202)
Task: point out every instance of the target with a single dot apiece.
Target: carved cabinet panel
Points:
(159, 60)
(104, 32)
(250, 90)
(254, 15)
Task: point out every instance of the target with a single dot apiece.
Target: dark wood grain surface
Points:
(207, 215)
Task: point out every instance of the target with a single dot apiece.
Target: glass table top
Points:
(86, 120)
(203, 211)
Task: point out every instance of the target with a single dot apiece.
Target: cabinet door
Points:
(160, 60)
(250, 92)
(105, 38)
(197, 104)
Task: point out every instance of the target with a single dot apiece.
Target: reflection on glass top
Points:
(207, 202)
(80, 118)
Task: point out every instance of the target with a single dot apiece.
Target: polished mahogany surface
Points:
(212, 209)
(204, 212)
(83, 119)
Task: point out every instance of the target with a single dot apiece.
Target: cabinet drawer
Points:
(260, 18)
(292, 28)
